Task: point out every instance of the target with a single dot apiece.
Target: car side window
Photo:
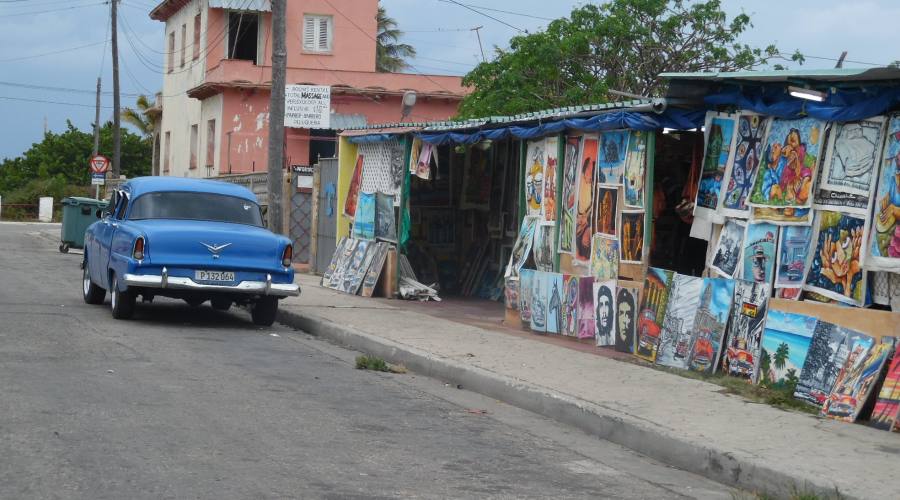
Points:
(123, 206)
(111, 206)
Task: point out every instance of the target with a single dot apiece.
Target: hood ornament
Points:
(215, 249)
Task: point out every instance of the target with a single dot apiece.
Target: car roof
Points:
(143, 185)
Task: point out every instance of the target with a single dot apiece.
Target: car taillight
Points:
(287, 256)
(139, 249)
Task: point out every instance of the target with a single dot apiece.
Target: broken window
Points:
(243, 36)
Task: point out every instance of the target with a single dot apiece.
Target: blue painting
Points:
(759, 252)
(611, 156)
(836, 269)
(742, 169)
(793, 248)
(785, 343)
(719, 139)
(364, 221)
(884, 249)
(710, 322)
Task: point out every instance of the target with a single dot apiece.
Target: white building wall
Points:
(180, 112)
(211, 110)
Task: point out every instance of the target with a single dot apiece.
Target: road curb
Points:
(604, 422)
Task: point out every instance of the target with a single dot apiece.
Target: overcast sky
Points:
(438, 29)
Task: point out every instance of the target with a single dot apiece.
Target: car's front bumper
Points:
(166, 282)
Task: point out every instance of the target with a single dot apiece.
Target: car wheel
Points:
(122, 303)
(92, 293)
(264, 311)
(194, 302)
(220, 304)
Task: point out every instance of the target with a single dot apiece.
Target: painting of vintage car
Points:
(190, 239)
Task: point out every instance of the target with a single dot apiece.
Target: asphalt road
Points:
(194, 403)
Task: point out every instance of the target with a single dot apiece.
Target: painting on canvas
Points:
(586, 314)
(627, 301)
(374, 272)
(539, 301)
(759, 252)
(654, 298)
(535, 161)
(720, 138)
(606, 206)
(611, 156)
(567, 234)
(743, 336)
(783, 216)
(788, 167)
(887, 406)
(364, 222)
(884, 246)
(786, 339)
(829, 349)
(353, 190)
(544, 254)
(604, 312)
(605, 257)
(555, 299)
(585, 199)
(727, 256)
(632, 241)
(336, 280)
(511, 293)
(741, 169)
(569, 196)
(851, 164)
(335, 257)
(793, 250)
(385, 222)
(522, 247)
(526, 288)
(551, 154)
(570, 306)
(710, 323)
(677, 336)
(635, 169)
(855, 383)
(835, 268)
(350, 283)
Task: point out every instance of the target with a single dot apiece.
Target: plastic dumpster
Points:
(77, 215)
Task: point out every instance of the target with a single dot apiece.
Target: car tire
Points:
(220, 304)
(195, 302)
(264, 311)
(122, 303)
(92, 293)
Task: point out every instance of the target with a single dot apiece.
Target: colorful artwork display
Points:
(884, 247)
(352, 278)
(385, 222)
(526, 290)
(626, 314)
(335, 282)
(544, 254)
(742, 168)
(353, 190)
(605, 312)
(586, 313)
(374, 272)
(569, 196)
(783, 216)
(727, 256)
(710, 323)
(605, 257)
(570, 306)
(791, 156)
(606, 203)
(835, 270)
(635, 169)
(611, 157)
(364, 221)
(829, 349)
(536, 159)
(567, 234)
(584, 214)
(759, 252)
(654, 299)
(744, 333)
(632, 242)
(886, 414)
(555, 303)
(851, 165)
(522, 247)
(551, 153)
(677, 334)
(720, 141)
(786, 340)
(793, 250)
(539, 301)
(855, 383)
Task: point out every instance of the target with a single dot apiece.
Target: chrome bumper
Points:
(165, 281)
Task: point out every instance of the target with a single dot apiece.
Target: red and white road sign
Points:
(99, 164)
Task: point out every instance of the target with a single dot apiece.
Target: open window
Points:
(243, 36)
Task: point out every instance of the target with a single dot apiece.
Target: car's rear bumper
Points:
(166, 282)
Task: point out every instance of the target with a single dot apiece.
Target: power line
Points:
(18, 14)
(43, 101)
(57, 89)
(70, 49)
(481, 7)
(485, 15)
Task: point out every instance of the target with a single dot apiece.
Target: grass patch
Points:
(378, 365)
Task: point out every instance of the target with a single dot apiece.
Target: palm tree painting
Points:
(781, 355)
(390, 53)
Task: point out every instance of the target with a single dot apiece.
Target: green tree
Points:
(781, 355)
(138, 118)
(390, 53)
(620, 45)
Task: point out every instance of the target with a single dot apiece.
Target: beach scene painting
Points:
(786, 339)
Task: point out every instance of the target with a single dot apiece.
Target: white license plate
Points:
(213, 276)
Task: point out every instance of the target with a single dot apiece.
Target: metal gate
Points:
(327, 212)
(301, 225)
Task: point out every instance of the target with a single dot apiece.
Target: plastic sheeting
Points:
(839, 105)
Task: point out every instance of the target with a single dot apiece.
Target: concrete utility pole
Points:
(117, 139)
(276, 117)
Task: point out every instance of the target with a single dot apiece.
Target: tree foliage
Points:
(620, 45)
(390, 53)
(137, 118)
(64, 158)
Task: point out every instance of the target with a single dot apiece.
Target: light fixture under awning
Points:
(245, 5)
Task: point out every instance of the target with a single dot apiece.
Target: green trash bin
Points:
(77, 215)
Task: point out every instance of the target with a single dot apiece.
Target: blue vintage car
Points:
(189, 239)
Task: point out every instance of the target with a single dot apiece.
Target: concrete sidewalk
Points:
(685, 423)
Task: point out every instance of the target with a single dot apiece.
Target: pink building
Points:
(216, 88)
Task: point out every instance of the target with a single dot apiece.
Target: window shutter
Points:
(323, 34)
(309, 34)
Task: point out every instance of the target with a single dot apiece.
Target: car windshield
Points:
(196, 206)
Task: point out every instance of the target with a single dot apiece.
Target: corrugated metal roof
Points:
(249, 5)
(341, 121)
(813, 75)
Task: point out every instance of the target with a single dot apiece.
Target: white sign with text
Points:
(307, 106)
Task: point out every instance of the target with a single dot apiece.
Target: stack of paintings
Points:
(855, 383)
(829, 349)
(886, 414)
(744, 333)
